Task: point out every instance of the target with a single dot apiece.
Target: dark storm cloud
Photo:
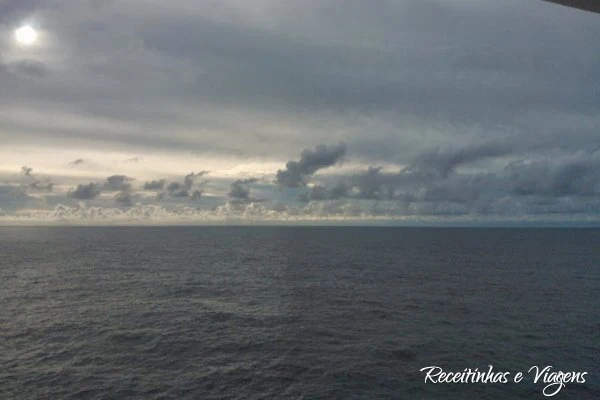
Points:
(578, 175)
(297, 172)
(189, 179)
(374, 184)
(240, 190)
(113, 183)
(120, 183)
(155, 185)
(117, 182)
(444, 161)
(564, 184)
(183, 189)
(85, 191)
(424, 172)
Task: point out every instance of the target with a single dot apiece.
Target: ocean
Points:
(294, 312)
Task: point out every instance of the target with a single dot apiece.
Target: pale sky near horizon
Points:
(292, 111)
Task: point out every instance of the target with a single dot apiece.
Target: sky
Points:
(313, 111)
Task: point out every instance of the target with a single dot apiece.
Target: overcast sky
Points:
(357, 111)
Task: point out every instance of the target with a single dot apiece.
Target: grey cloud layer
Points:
(439, 182)
(451, 67)
(296, 172)
(484, 107)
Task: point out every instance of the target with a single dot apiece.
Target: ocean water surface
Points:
(293, 313)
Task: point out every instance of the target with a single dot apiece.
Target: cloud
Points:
(76, 162)
(113, 183)
(175, 190)
(328, 212)
(442, 162)
(189, 179)
(311, 161)
(441, 181)
(42, 185)
(373, 184)
(240, 190)
(319, 192)
(124, 198)
(86, 191)
(454, 114)
(308, 72)
(29, 68)
(576, 175)
(182, 190)
(196, 195)
(155, 185)
(423, 175)
(33, 182)
(117, 182)
(434, 185)
(13, 197)
(120, 183)
(11, 11)
(26, 170)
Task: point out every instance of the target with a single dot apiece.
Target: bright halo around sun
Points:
(26, 35)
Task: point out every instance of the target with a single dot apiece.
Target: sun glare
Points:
(26, 35)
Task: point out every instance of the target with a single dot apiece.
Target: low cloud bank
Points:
(440, 183)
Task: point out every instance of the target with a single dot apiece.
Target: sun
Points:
(26, 35)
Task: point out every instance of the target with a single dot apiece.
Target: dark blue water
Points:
(298, 313)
